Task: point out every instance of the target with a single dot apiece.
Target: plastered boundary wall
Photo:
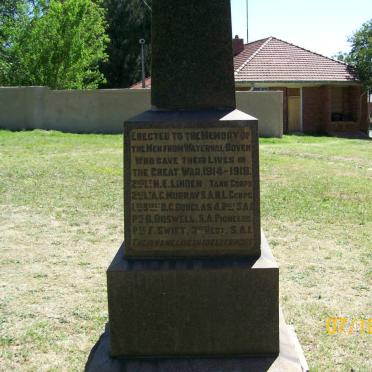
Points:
(104, 111)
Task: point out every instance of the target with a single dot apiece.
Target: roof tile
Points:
(274, 60)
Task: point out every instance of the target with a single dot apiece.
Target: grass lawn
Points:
(61, 222)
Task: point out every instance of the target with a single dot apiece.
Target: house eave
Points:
(293, 83)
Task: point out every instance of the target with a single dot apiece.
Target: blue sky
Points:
(322, 26)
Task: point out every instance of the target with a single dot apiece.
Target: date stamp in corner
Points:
(346, 325)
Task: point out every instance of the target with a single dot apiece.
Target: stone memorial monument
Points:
(194, 286)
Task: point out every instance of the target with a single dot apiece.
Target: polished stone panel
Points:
(191, 185)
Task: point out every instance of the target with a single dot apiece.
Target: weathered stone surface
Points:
(194, 307)
(192, 64)
(191, 185)
(290, 359)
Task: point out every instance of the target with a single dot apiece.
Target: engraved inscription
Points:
(191, 187)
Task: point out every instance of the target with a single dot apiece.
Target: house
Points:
(319, 94)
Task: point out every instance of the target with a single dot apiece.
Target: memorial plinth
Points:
(194, 307)
(289, 359)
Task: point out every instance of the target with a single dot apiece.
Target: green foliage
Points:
(342, 57)
(59, 44)
(361, 53)
(360, 56)
(128, 21)
(12, 16)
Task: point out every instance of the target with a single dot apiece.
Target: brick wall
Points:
(355, 101)
(318, 103)
(315, 105)
(348, 107)
(364, 115)
(326, 105)
(354, 106)
(318, 106)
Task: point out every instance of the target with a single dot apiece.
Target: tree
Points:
(128, 21)
(15, 18)
(361, 53)
(61, 45)
(12, 15)
(360, 56)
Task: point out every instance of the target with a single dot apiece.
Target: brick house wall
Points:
(354, 109)
(318, 103)
(315, 106)
(360, 101)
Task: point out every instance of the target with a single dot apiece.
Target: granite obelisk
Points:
(192, 66)
(188, 280)
(195, 277)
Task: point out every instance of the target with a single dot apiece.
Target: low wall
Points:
(104, 111)
(267, 107)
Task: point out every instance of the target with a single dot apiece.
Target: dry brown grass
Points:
(61, 222)
(53, 297)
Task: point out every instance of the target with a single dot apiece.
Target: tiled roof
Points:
(274, 60)
(249, 50)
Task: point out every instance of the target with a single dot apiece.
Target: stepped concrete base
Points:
(290, 358)
(194, 307)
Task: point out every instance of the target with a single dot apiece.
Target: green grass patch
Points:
(61, 222)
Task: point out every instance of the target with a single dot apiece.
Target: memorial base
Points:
(194, 307)
(290, 358)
